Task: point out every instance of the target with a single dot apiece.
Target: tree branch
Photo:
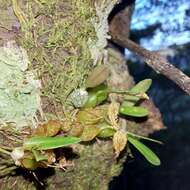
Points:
(158, 63)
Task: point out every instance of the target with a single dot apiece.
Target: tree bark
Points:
(56, 35)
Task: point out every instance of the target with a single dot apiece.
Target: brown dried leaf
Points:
(49, 129)
(53, 127)
(119, 141)
(97, 76)
(39, 131)
(50, 155)
(90, 116)
(113, 111)
(76, 130)
(66, 125)
(62, 162)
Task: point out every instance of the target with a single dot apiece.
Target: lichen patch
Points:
(19, 90)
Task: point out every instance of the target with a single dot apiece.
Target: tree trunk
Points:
(64, 41)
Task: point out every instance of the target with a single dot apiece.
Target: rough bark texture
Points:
(55, 34)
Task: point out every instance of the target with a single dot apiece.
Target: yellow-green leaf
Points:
(145, 151)
(142, 86)
(128, 103)
(132, 98)
(96, 96)
(106, 131)
(45, 143)
(89, 132)
(134, 111)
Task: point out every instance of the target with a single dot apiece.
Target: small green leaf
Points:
(142, 137)
(134, 111)
(142, 86)
(132, 98)
(128, 103)
(45, 143)
(96, 96)
(97, 76)
(38, 155)
(106, 131)
(92, 101)
(145, 151)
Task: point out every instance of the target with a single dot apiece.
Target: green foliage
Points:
(96, 96)
(106, 132)
(145, 151)
(135, 111)
(142, 86)
(45, 143)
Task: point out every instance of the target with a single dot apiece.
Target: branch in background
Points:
(158, 63)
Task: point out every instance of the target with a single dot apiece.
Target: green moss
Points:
(56, 39)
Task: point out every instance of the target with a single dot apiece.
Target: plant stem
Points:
(146, 138)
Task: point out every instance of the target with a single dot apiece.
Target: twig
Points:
(158, 64)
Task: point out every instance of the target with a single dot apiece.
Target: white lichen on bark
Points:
(101, 26)
(19, 90)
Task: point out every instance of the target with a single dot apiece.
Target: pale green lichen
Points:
(19, 91)
(101, 26)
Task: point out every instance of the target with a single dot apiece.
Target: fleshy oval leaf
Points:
(45, 143)
(97, 76)
(106, 131)
(142, 86)
(91, 102)
(132, 98)
(96, 96)
(135, 111)
(128, 103)
(145, 151)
